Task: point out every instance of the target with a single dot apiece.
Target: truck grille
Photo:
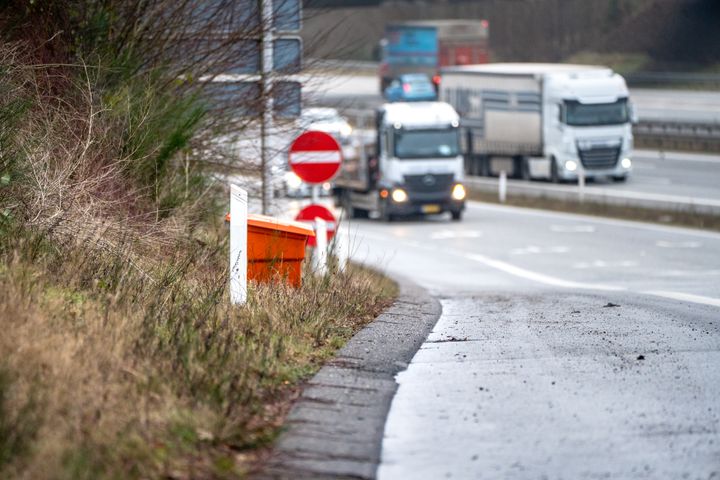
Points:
(599, 157)
(429, 183)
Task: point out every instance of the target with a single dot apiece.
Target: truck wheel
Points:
(484, 166)
(554, 176)
(619, 178)
(525, 169)
(385, 216)
(350, 211)
(518, 165)
(456, 215)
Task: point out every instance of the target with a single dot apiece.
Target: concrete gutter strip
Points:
(335, 429)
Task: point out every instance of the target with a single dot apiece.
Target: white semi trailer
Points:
(534, 120)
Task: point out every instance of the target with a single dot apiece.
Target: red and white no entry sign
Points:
(310, 213)
(315, 157)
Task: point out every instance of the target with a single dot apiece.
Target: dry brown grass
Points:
(116, 375)
(119, 354)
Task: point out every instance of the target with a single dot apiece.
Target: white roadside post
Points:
(342, 247)
(581, 185)
(238, 245)
(502, 186)
(321, 253)
(266, 125)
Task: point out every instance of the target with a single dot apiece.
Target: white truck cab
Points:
(417, 166)
(588, 126)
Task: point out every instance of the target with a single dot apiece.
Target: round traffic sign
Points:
(315, 156)
(310, 213)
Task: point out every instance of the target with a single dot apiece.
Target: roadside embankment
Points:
(120, 355)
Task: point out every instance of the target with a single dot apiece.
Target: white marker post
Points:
(342, 247)
(502, 186)
(238, 245)
(320, 256)
(581, 185)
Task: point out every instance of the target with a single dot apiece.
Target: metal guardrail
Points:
(686, 136)
(669, 79)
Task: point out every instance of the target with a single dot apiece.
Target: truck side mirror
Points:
(633, 114)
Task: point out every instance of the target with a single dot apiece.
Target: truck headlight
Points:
(571, 165)
(292, 180)
(399, 195)
(458, 192)
(346, 130)
(626, 163)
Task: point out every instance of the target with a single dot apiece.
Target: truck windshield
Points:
(426, 143)
(582, 115)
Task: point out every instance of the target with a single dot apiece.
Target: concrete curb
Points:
(335, 429)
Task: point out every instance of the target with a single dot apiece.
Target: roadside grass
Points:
(111, 371)
(663, 217)
(120, 356)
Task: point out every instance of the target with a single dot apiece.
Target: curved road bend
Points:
(570, 347)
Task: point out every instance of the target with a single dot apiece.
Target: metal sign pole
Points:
(266, 125)
(315, 194)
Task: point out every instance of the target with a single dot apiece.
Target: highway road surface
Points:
(569, 347)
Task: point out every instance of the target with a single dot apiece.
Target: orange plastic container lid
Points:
(273, 223)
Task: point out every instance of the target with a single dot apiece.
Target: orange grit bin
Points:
(276, 249)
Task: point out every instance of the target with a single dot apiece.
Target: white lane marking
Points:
(688, 273)
(573, 228)
(685, 297)
(539, 277)
(665, 244)
(449, 234)
(534, 249)
(533, 212)
(604, 264)
(559, 282)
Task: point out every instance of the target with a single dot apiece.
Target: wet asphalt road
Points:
(569, 347)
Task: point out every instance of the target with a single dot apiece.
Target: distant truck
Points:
(414, 168)
(426, 46)
(535, 120)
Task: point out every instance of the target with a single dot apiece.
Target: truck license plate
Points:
(431, 208)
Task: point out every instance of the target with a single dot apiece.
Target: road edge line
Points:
(335, 429)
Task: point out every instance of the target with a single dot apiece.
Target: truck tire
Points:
(517, 164)
(484, 166)
(619, 178)
(385, 216)
(350, 211)
(554, 176)
(525, 169)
